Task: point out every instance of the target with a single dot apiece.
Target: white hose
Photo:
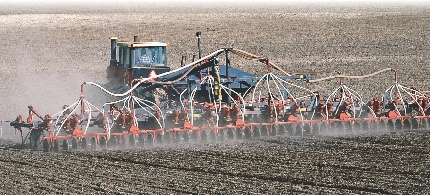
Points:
(255, 88)
(162, 116)
(241, 98)
(210, 79)
(180, 98)
(215, 53)
(89, 115)
(58, 131)
(414, 98)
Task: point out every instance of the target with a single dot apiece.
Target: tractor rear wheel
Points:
(56, 147)
(348, 127)
(141, 140)
(365, 126)
(415, 123)
(230, 134)
(131, 141)
(357, 127)
(93, 143)
(274, 131)
(212, 136)
(398, 125)
(382, 126)
(307, 129)
(74, 144)
(264, 131)
(46, 145)
(103, 142)
(186, 137)
(66, 146)
(324, 128)
(150, 139)
(256, 131)
(84, 143)
(315, 129)
(239, 134)
(339, 128)
(204, 135)
(113, 142)
(194, 136)
(390, 125)
(247, 133)
(281, 130)
(299, 130)
(407, 125)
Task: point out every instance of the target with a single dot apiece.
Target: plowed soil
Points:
(49, 51)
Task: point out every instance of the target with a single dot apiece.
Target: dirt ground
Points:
(49, 51)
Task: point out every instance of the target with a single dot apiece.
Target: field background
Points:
(48, 51)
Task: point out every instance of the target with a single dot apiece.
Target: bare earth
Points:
(49, 51)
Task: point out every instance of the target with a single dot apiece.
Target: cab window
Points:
(149, 56)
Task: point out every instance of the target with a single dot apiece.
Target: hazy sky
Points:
(206, 1)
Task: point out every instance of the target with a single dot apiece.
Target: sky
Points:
(206, 1)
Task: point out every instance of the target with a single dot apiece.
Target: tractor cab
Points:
(141, 59)
(142, 55)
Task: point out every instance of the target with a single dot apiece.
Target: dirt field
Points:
(49, 51)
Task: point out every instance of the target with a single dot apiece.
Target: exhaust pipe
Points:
(183, 60)
(113, 42)
(198, 44)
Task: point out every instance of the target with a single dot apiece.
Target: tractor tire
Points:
(123, 143)
(159, 138)
(150, 139)
(166, 138)
(348, 127)
(221, 135)
(281, 129)
(204, 135)
(56, 147)
(339, 128)
(415, 123)
(66, 146)
(357, 128)
(212, 136)
(84, 143)
(289, 129)
(186, 137)
(274, 131)
(307, 129)
(398, 125)
(194, 137)
(36, 139)
(113, 142)
(230, 134)
(407, 125)
(74, 144)
(247, 133)
(93, 143)
(382, 126)
(324, 128)
(103, 142)
(315, 129)
(132, 140)
(256, 132)
(425, 124)
(141, 140)
(390, 125)
(264, 131)
(299, 130)
(46, 145)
